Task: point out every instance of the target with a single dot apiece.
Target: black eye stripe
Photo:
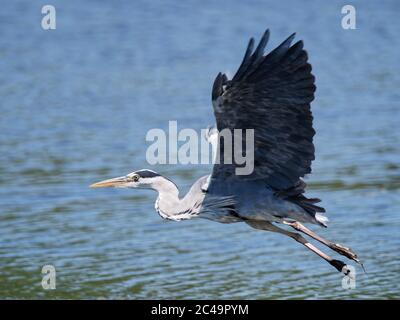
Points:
(147, 174)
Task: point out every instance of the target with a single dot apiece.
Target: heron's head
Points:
(145, 179)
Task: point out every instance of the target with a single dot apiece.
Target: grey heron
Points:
(270, 93)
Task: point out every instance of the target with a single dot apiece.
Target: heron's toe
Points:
(337, 264)
(347, 252)
(340, 266)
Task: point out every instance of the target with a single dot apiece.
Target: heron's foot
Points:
(347, 252)
(341, 267)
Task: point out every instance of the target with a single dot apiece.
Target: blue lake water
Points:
(77, 102)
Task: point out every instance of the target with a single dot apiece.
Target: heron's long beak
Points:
(115, 182)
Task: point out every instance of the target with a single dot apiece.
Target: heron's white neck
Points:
(168, 201)
(165, 188)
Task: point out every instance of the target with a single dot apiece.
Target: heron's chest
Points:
(178, 216)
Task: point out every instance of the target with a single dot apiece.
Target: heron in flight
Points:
(270, 93)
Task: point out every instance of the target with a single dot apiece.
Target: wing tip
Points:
(289, 40)
(217, 88)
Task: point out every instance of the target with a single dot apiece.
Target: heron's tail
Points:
(295, 194)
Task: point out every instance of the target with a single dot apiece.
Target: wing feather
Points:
(270, 94)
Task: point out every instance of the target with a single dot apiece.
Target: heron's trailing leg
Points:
(347, 252)
(264, 225)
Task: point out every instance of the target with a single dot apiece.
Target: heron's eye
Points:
(135, 178)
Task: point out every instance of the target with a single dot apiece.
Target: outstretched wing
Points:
(270, 94)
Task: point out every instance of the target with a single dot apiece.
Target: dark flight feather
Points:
(271, 94)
